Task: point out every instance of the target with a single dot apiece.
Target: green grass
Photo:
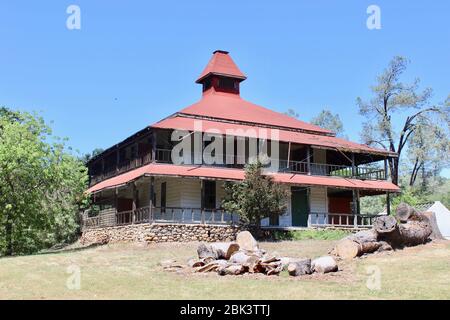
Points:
(132, 272)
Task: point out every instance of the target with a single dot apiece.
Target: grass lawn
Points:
(125, 271)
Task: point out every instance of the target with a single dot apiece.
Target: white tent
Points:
(442, 217)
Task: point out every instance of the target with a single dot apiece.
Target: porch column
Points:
(152, 196)
(353, 166)
(388, 203)
(385, 169)
(356, 208)
(289, 155)
(116, 203)
(133, 208)
(202, 200)
(308, 160)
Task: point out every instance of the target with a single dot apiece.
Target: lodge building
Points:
(139, 181)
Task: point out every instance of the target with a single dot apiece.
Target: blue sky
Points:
(135, 62)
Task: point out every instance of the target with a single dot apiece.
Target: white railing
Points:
(340, 220)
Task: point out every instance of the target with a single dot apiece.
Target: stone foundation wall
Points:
(151, 233)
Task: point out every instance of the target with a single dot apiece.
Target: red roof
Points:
(221, 64)
(231, 106)
(189, 124)
(238, 174)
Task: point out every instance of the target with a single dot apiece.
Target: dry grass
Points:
(132, 272)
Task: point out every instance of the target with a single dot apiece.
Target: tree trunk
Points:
(405, 212)
(394, 170)
(324, 265)
(435, 233)
(384, 224)
(357, 244)
(300, 267)
(220, 250)
(9, 236)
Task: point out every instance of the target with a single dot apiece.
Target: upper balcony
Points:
(110, 169)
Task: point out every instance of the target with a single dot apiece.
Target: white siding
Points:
(190, 193)
(143, 194)
(318, 203)
(318, 199)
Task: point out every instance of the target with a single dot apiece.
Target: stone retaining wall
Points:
(156, 232)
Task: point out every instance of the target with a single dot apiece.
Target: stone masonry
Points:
(156, 232)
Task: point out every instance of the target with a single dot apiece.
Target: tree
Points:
(428, 150)
(41, 186)
(327, 120)
(292, 113)
(392, 99)
(256, 197)
(88, 156)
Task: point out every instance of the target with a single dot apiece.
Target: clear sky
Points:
(135, 62)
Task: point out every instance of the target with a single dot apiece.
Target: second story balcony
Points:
(109, 169)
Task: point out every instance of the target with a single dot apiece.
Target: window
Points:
(209, 194)
(227, 84)
(207, 84)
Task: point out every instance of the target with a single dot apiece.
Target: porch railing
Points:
(341, 220)
(324, 169)
(110, 218)
(238, 161)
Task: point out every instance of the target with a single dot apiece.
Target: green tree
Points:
(428, 150)
(392, 99)
(256, 197)
(292, 113)
(327, 120)
(88, 156)
(41, 185)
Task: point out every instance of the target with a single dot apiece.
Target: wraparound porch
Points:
(198, 201)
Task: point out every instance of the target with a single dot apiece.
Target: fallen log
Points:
(384, 224)
(435, 232)
(234, 269)
(405, 212)
(324, 265)
(246, 241)
(299, 267)
(357, 244)
(219, 250)
(417, 230)
(242, 257)
(414, 233)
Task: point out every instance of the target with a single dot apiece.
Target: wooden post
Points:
(202, 194)
(133, 208)
(308, 159)
(355, 207)
(353, 166)
(152, 195)
(116, 202)
(388, 203)
(385, 169)
(154, 144)
(289, 156)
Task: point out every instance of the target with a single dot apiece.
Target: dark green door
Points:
(300, 206)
